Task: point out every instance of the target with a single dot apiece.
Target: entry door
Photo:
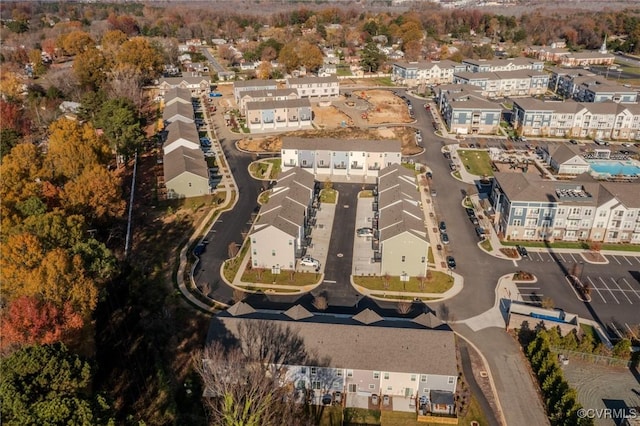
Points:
(353, 387)
(408, 392)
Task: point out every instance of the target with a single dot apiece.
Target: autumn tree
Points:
(20, 259)
(29, 320)
(49, 385)
(264, 70)
(72, 147)
(371, 58)
(300, 53)
(142, 55)
(89, 68)
(21, 171)
(126, 82)
(75, 42)
(95, 193)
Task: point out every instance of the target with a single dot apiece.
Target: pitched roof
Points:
(330, 144)
(174, 81)
(178, 109)
(269, 93)
(298, 312)
(183, 159)
(240, 309)
(177, 93)
(562, 153)
(428, 320)
(284, 103)
(181, 130)
(352, 345)
(255, 83)
(311, 80)
(367, 316)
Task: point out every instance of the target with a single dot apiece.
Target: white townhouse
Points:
(265, 95)
(239, 87)
(425, 72)
(315, 87)
(280, 234)
(178, 111)
(197, 85)
(177, 95)
(179, 134)
(326, 157)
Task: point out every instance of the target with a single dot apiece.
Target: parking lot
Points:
(530, 292)
(616, 290)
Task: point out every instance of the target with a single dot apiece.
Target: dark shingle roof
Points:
(178, 108)
(182, 160)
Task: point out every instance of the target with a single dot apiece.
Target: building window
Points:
(452, 380)
(423, 259)
(372, 386)
(386, 376)
(403, 258)
(413, 377)
(349, 373)
(423, 378)
(315, 384)
(273, 252)
(303, 370)
(314, 371)
(339, 373)
(389, 388)
(376, 374)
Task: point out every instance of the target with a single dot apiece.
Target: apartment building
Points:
(495, 65)
(315, 87)
(326, 157)
(607, 120)
(498, 84)
(465, 111)
(530, 208)
(281, 232)
(360, 356)
(252, 85)
(269, 116)
(581, 59)
(587, 87)
(414, 74)
(399, 224)
(264, 95)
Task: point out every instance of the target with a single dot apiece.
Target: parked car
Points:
(452, 166)
(337, 397)
(434, 193)
(386, 400)
(443, 227)
(573, 141)
(480, 232)
(522, 251)
(418, 137)
(374, 399)
(445, 238)
(327, 399)
(309, 261)
(470, 212)
(429, 175)
(365, 232)
(474, 219)
(199, 249)
(215, 94)
(451, 262)
(423, 400)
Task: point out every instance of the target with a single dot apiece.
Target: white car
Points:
(309, 261)
(365, 232)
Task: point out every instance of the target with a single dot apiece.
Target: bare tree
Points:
(547, 303)
(320, 303)
(125, 81)
(403, 308)
(259, 273)
(232, 250)
(386, 280)
(422, 282)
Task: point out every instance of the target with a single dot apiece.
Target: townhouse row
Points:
(584, 86)
(197, 85)
(527, 207)
(417, 360)
(305, 87)
(186, 173)
(608, 120)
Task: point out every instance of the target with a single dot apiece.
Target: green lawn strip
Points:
(474, 413)
(284, 277)
(267, 289)
(275, 167)
(476, 162)
(572, 245)
(486, 244)
(590, 330)
(330, 416)
(430, 257)
(361, 416)
(400, 418)
(457, 175)
(439, 283)
(365, 194)
(231, 266)
(384, 81)
(328, 196)
(263, 197)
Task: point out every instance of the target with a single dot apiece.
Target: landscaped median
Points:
(266, 169)
(435, 282)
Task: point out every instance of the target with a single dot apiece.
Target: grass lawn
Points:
(263, 197)
(343, 71)
(474, 413)
(231, 266)
(285, 278)
(468, 203)
(571, 245)
(477, 162)
(361, 416)
(590, 330)
(457, 175)
(486, 244)
(439, 283)
(399, 418)
(383, 81)
(430, 257)
(331, 416)
(365, 194)
(258, 169)
(328, 196)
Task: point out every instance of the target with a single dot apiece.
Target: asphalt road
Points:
(212, 60)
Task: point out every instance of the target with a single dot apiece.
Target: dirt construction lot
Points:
(330, 117)
(385, 107)
(602, 387)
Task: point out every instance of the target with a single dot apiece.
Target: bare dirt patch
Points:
(330, 117)
(385, 107)
(274, 143)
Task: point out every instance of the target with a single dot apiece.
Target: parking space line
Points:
(616, 259)
(562, 257)
(607, 287)
(540, 256)
(593, 286)
(622, 291)
(637, 258)
(633, 290)
(625, 258)
(573, 257)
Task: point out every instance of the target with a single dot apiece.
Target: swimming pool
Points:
(613, 167)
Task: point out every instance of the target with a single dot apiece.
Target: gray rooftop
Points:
(178, 93)
(181, 130)
(182, 160)
(425, 65)
(501, 62)
(269, 93)
(500, 75)
(346, 343)
(311, 80)
(178, 108)
(255, 83)
(329, 144)
(174, 81)
(284, 103)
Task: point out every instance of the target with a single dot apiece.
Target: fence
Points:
(592, 358)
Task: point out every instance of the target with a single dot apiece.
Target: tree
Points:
(75, 42)
(96, 193)
(28, 321)
(72, 148)
(288, 57)
(370, 57)
(264, 70)
(622, 349)
(56, 228)
(244, 382)
(89, 68)
(8, 139)
(48, 385)
(320, 303)
(412, 50)
(20, 258)
(139, 53)
(310, 55)
(121, 126)
(126, 82)
(403, 308)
